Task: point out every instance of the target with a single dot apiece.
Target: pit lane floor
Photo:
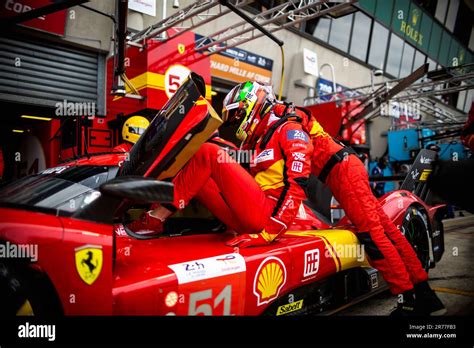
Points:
(452, 279)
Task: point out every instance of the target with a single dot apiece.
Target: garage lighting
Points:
(18, 131)
(37, 118)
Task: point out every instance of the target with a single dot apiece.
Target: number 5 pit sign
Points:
(174, 77)
(223, 280)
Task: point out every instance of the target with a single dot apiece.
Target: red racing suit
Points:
(124, 147)
(264, 200)
(387, 249)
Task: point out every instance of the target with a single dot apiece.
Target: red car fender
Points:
(83, 290)
(41, 232)
(143, 284)
(434, 209)
(396, 203)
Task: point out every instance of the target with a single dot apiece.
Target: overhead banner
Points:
(417, 26)
(238, 65)
(51, 23)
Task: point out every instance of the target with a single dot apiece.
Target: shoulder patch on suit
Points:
(299, 156)
(297, 166)
(295, 134)
(265, 155)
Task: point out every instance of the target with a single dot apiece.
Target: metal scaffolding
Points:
(289, 13)
(280, 17)
(425, 93)
(188, 18)
(285, 15)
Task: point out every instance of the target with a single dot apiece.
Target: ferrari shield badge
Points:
(89, 260)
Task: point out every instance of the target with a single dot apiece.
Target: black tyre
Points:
(415, 228)
(12, 296)
(24, 292)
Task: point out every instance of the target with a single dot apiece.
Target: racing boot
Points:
(147, 224)
(426, 300)
(407, 306)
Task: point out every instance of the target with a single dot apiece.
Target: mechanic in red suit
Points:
(132, 129)
(388, 250)
(259, 203)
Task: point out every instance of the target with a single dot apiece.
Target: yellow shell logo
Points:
(269, 280)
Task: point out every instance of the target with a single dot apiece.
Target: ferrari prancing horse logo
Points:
(89, 262)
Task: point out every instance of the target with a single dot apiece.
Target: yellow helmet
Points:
(133, 128)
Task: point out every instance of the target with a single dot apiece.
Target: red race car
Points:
(65, 249)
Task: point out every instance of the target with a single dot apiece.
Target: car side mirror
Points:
(139, 189)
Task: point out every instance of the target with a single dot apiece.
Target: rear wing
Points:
(417, 177)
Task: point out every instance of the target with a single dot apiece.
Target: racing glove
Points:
(273, 229)
(250, 240)
(147, 224)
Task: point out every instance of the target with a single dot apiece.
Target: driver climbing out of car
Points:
(259, 203)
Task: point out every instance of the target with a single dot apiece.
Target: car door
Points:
(185, 122)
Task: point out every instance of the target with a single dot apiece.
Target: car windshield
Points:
(65, 188)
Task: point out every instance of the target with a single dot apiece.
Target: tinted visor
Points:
(233, 116)
(136, 130)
